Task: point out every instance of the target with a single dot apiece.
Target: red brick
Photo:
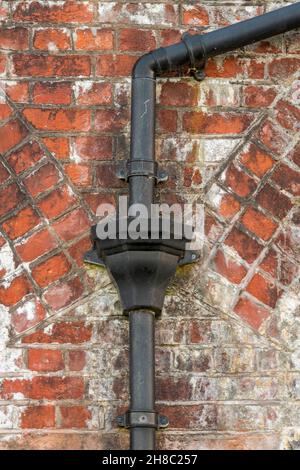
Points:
(229, 67)
(45, 360)
(288, 115)
(79, 174)
(295, 156)
(62, 332)
(79, 248)
(111, 120)
(22, 222)
(64, 12)
(15, 38)
(273, 138)
(38, 417)
(216, 123)
(255, 68)
(25, 157)
(17, 91)
(57, 202)
(287, 179)
(106, 176)
(11, 134)
(28, 315)
(251, 313)
(4, 175)
(52, 93)
(284, 67)
(229, 268)
(258, 223)
(29, 65)
(51, 39)
(95, 199)
(279, 267)
(195, 15)
(274, 201)
(136, 40)
(239, 182)
(169, 37)
(246, 247)
(192, 177)
(42, 179)
(36, 245)
(264, 290)
(50, 270)
(72, 225)
(58, 146)
(115, 65)
(259, 97)
(71, 119)
(179, 94)
(256, 160)
(94, 147)
(93, 93)
(5, 111)
(167, 120)
(15, 291)
(77, 360)
(94, 40)
(229, 206)
(64, 294)
(74, 417)
(10, 197)
(51, 388)
(270, 263)
(191, 416)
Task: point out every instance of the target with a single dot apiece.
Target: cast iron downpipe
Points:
(142, 269)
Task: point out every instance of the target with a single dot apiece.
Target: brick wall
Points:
(228, 340)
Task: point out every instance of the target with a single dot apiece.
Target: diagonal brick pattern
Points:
(228, 339)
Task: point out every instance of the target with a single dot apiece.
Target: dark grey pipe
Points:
(142, 374)
(141, 184)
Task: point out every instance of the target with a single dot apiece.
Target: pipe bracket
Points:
(142, 419)
(147, 168)
(197, 66)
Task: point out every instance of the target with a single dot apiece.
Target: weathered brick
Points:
(38, 417)
(25, 157)
(51, 388)
(229, 268)
(17, 91)
(136, 40)
(275, 202)
(228, 67)
(273, 137)
(52, 93)
(287, 179)
(115, 65)
(58, 146)
(264, 290)
(256, 160)
(93, 93)
(57, 202)
(62, 332)
(288, 115)
(77, 360)
(74, 416)
(79, 174)
(64, 12)
(258, 223)
(27, 315)
(10, 197)
(167, 120)
(42, 179)
(72, 225)
(25, 220)
(50, 270)
(240, 183)
(245, 246)
(15, 38)
(59, 119)
(29, 65)
(259, 97)
(65, 294)
(195, 15)
(179, 94)
(253, 314)
(111, 120)
(38, 244)
(11, 134)
(136, 13)
(217, 123)
(15, 291)
(283, 67)
(52, 40)
(94, 39)
(45, 360)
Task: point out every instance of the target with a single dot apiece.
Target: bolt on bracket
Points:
(142, 419)
(148, 168)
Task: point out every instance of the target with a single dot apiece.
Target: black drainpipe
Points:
(142, 269)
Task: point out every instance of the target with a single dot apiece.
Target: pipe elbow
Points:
(145, 67)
